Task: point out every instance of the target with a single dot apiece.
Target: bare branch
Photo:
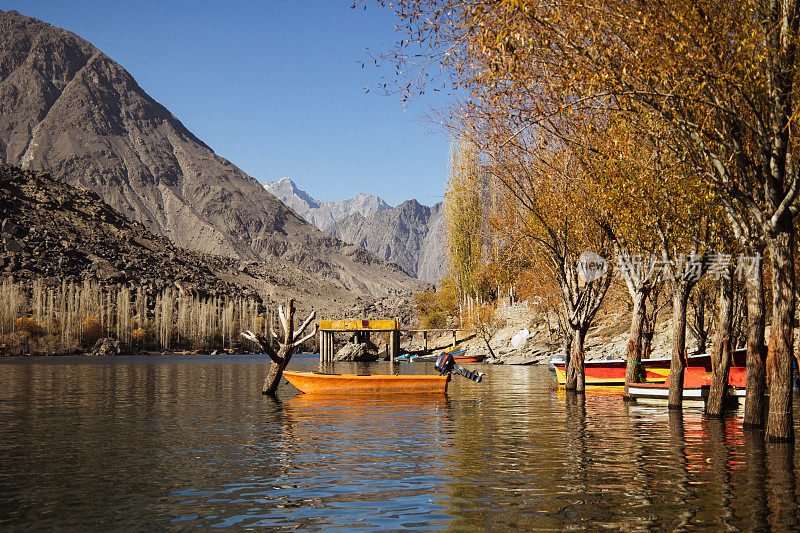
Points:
(308, 337)
(303, 327)
(263, 343)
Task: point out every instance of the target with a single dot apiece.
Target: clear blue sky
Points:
(276, 87)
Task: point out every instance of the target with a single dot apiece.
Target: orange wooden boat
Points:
(315, 382)
(469, 358)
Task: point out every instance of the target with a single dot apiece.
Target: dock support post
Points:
(394, 344)
(454, 338)
(326, 346)
(425, 341)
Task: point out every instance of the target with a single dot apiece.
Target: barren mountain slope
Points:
(411, 235)
(54, 231)
(68, 109)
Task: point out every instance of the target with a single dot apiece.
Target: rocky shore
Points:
(527, 337)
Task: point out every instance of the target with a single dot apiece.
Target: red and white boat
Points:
(612, 371)
(696, 386)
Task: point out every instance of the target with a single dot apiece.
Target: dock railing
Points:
(362, 329)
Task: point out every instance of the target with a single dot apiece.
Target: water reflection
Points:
(781, 487)
(173, 443)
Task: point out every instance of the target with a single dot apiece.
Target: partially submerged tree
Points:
(542, 183)
(291, 340)
(721, 353)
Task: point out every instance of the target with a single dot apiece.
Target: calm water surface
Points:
(175, 443)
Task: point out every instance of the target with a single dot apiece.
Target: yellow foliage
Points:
(434, 307)
(92, 330)
(29, 326)
(464, 213)
(138, 335)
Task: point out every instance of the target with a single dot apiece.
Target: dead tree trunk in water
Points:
(292, 339)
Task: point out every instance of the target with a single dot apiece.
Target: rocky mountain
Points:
(411, 235)
(68, 109)
(321, 213)
(53, 230)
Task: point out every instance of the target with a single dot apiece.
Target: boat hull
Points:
(658, 393)
(612, 371)
(316, 383)
(470, 358)
(696, 387)
(609, 375)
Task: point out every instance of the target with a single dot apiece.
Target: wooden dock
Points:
(361, 329)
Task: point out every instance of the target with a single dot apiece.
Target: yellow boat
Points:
(318, 383)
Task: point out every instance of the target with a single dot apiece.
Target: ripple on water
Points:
(174, 443)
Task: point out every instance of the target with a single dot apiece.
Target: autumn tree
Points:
(541, 182)
(719, 78)
(464, 213)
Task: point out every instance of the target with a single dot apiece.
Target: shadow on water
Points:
(179, 442)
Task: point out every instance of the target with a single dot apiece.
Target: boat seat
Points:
(737, 376)
(693, 377)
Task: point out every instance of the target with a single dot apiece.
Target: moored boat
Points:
(696, 387)
(422, 358)
(612, 371)
(596, 374)
(434, 357)
(469, 358)
(319, 383)
(696, 384)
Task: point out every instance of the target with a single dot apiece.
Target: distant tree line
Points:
(36, 318)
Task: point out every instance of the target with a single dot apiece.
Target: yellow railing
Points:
(358, 325)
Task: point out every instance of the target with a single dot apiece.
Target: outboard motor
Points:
(447, 364)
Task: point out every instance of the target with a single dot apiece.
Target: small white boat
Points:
(696, 385)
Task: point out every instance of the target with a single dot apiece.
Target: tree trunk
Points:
(647, 344)
(721, 351)
(275, 373)
(678, 362)
(700, 322)
(567, 346)
(633, 370)
(779, 355)
(576, 378)
(756, 350)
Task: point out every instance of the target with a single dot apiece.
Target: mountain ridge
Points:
(411, 235)
(68, 109)
(323, 213)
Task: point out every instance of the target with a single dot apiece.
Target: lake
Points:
(179, 442)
